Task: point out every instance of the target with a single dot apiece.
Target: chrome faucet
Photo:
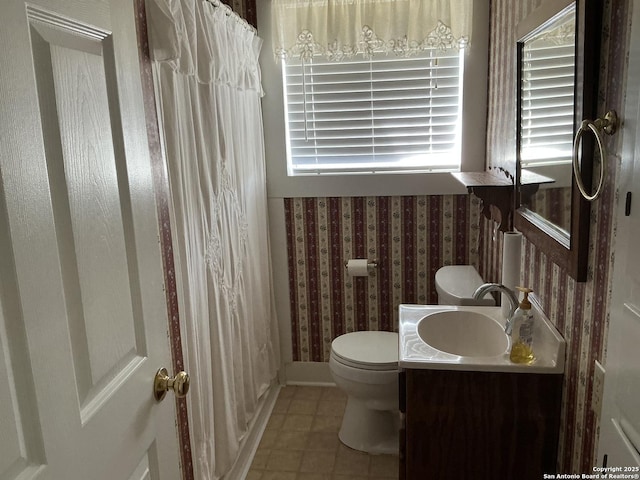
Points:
(482, 290)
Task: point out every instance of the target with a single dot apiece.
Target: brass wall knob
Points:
(162, 383)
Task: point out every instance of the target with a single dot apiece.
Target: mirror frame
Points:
(569, 252)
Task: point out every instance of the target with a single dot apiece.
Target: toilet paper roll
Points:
(511, 253)
(358, 267)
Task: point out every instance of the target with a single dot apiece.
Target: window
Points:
(384, 114)
(547, 91)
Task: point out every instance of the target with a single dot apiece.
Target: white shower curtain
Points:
(208, 82)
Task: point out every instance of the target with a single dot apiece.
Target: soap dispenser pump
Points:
(522, 332)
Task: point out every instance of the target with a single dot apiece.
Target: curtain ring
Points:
(608, 125)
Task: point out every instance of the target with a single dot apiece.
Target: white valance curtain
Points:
(339, 29)
(208, 83)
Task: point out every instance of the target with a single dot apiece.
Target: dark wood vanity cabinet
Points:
(478, 425)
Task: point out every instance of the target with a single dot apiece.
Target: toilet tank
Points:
(455, 285)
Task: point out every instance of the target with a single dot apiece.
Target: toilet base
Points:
(371, 431)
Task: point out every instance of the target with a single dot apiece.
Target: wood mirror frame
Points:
(570, 252)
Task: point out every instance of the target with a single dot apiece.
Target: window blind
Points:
(374, 115)
(547, 103)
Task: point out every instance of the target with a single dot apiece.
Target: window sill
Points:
(371, 185)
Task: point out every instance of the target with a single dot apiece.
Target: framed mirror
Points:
(558, 60)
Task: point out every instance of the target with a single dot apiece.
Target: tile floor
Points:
(301, 441)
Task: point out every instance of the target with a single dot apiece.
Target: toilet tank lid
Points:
(458, 280)
(367, 347)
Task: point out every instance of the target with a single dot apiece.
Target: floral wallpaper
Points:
(410, 237)
(579, 310)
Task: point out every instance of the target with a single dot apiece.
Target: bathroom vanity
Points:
(467, 411)
(480, 425)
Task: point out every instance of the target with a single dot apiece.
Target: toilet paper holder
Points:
(370, 265)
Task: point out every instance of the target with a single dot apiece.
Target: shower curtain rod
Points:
(229, 11)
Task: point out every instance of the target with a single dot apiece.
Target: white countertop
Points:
(549, 346)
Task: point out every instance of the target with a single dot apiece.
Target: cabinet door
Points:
(480, 425)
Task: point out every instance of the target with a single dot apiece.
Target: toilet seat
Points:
(367, 350)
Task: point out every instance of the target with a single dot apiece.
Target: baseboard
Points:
(308, 373)
(250, 442)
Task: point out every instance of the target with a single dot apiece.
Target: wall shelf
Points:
(496, 193)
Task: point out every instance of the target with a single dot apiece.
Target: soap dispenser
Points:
(522, 331)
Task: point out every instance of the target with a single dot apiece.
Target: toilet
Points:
(365, 366)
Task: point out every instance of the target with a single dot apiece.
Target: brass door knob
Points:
(162, 383)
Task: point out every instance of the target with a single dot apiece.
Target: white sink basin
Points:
(469, 334)
(472, 338)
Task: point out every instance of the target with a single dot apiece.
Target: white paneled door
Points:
(83, 323)
(619, 444)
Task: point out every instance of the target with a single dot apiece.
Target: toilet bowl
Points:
(365, 366)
